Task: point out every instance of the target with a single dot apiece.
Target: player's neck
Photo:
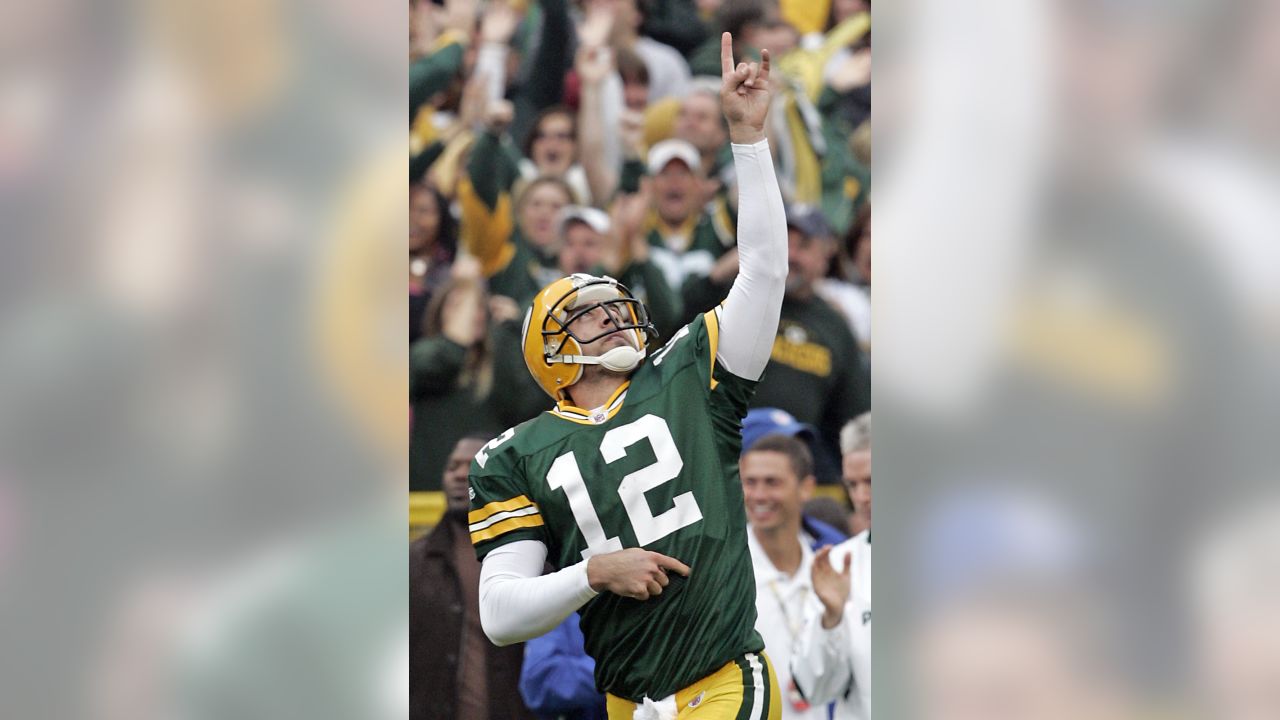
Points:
(595, 389)
(782, 546)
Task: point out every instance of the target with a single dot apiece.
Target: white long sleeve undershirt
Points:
(749, 318)
(517, 602)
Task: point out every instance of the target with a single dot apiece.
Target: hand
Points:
(596, 24)
(498, 115)
(726, 268)
(463, 313)
(459, 15)
(635, 572)
(466, 269)
(744, 93)
(503, 308)
(630, 210)
(854, 72)
(422, 30)
(499, 23)
(832, 587)
(627, 216)
(593, 64)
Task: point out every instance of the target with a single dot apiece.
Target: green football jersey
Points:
(656, 467)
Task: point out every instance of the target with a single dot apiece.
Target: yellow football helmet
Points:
(553, 352)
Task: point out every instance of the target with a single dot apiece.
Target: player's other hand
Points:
(744, 93)
(831, 586)
(635, 572)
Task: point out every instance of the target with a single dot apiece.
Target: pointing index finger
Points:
(764, 67)
(726, 54)
(671, 563)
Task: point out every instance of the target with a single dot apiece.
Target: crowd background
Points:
(203, 359)
(555, 137)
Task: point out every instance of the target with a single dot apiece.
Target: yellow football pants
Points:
(744, 689)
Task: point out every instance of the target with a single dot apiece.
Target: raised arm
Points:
(749, 317)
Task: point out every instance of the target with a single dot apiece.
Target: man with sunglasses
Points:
(629, 487)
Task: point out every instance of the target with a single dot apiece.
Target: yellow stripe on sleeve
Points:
(506, 526)
(713, 337)
(514, 503)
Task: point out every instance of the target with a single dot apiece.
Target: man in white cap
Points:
(685, 238)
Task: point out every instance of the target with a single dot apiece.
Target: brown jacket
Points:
(436, 624)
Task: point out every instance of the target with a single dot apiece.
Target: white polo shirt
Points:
(781, 604)
(836, 663)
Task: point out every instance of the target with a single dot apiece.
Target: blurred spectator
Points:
(558, 680)
(516, 247)
(763, 421)
(595, 243)
(668, 71)
(817, 372)
(832, 655)
(700, 123)
(760, 422)
(551, 150)
(455, 368)
(681, 24)
(777, 479)
(686, 239)
(829, 511)
(466, 677)
(810, 136)
(547, 53)
(855, 445)
(806, 16)
(847, 286)
(635, 80)
(613, 92)
(554, 238)
(742, 19)
(433, 242)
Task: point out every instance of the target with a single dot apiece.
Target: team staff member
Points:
(457, 674)
(832, 659)
(777, 479)
(629, 486)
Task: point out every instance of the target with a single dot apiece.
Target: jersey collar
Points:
(564, 409)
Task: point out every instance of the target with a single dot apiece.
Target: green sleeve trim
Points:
(491, 168)
(419, 164)
(432, 74)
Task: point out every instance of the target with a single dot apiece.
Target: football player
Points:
(629, 486)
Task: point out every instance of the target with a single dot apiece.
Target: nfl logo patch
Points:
(695, 702)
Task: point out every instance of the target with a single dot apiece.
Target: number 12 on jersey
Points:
(565, 475)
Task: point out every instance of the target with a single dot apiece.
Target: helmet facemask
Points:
(562, 344)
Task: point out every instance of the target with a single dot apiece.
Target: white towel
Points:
(664, 709)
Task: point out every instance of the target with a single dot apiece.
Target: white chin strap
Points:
(619, 359)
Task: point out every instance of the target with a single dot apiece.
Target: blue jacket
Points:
(558, 677)
(822, 533)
